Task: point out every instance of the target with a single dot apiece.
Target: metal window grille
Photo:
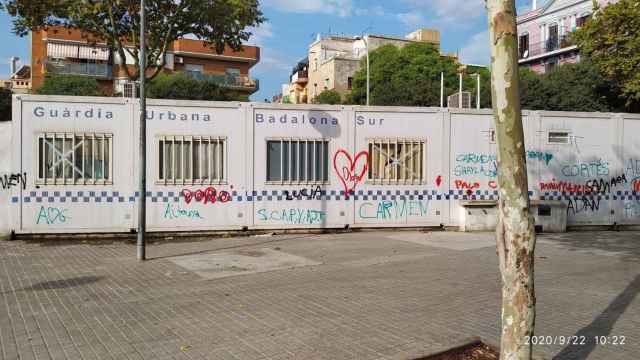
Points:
(75, 158)
(396, 161)
(558, 137)
(298, 161)
(453, 101)
(184, 160)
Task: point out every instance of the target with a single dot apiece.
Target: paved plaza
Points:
(367, 295)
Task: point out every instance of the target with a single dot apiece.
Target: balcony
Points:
(300, 77)
(230, 81)
(541, 48)
(61, 67)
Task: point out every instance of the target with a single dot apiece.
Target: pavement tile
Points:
(374, 295)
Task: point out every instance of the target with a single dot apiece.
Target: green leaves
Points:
(70, 85)
(611, 39)
(329, 97)
(219, 23)
(569, 87)
(410, 76)
(181, 86)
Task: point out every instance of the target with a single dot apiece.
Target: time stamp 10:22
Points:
(577, 340)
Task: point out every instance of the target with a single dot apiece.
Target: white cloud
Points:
(260, 34)
(376, 10)
(458, 12)
(476, 50)
(413, 20)
(271, 60)
(337, 7)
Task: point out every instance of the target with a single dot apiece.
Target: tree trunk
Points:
(515, 234)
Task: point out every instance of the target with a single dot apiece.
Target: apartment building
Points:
(333, 60)
(543, 32)
(60, 50)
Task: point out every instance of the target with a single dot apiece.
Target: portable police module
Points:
(69, 165)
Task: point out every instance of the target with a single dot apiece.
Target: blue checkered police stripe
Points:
(281, 195)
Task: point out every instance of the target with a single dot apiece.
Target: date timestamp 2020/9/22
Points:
(577, 340)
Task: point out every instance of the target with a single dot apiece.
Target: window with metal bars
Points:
(74, 158)
(396, 161)
(558, 137)
(298, 161)
(192, 160)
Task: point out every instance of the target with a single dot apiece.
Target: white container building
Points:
(72, 162)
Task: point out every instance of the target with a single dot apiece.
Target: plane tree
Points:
(515, 236)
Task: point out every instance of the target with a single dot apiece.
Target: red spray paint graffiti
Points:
(463, 185)
(205, 196)
(635, 184)
(350, 170)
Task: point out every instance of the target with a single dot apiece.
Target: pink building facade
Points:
(543, 32)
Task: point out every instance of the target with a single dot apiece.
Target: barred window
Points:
(299, 161)
(192, 160)
(74, 158)
(396, 161)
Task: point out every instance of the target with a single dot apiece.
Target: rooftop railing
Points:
(544, 47)
(98, 70)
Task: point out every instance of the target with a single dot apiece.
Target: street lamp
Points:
(142, 185)
(366, 45)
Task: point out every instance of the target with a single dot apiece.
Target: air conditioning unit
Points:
(179, 60)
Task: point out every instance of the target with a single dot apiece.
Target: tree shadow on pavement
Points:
(601, 325)
(623, 244)
(64, 283)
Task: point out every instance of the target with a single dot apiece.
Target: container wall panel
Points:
(231, 166)
(404, 180)
(77, 155)
(195, 173)
(295, 184)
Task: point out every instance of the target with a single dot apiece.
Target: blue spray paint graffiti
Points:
(632, 209)
(476, 164)
(539, 155)
(172, 212)
(591, 169)
(393, 209)
(293, 216)
(52, 216)
(633, 167)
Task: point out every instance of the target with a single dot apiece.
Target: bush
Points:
(71, 85)
(181, 86)
(410, 76)
(5, 104)
(569, 87)
(329, 97)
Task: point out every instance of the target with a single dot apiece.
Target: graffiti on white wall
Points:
(393, 209)
(292, 216)
(52, 215)
(175, 212)
(350, 170)
(9, 181)
(476, 164)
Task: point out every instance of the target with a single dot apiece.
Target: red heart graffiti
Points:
(349, 176)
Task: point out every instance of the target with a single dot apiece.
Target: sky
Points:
(293, 24)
